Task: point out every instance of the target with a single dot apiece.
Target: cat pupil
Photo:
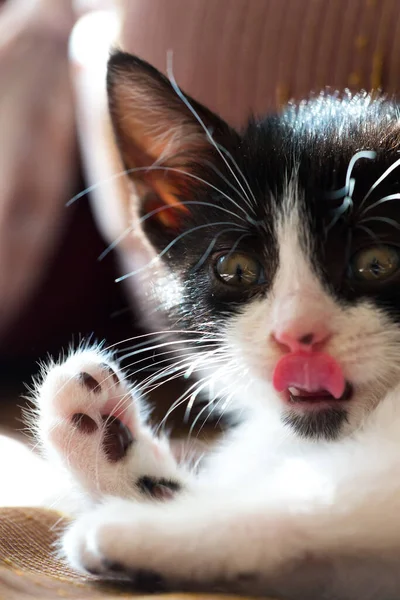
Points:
(376, 267)
(238, 269)
(376, 263)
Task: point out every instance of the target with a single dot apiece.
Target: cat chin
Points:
(326, 423)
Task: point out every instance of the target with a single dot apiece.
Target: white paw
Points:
(183, 541)
(90, 419)
(89, 545)
(122, 537)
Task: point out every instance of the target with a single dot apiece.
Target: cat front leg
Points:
(91, 423)
(234, 545)
(187, 542)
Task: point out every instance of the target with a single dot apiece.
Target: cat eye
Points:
(376, 263)
(239, 269)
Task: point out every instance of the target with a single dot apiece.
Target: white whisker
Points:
(155, 347)
(386, 220)
(159, 167)
(200, 121)
(213, 242)
(229, 155)
(381, 201)
(166, 332)
(115, 243)
(378, 181)
(346, 192)
(155, 364)
(187, 203)
(168, 247)
(369, 232)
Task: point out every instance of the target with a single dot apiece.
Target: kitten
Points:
(275, 267)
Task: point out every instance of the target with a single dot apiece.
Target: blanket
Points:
(30, 569)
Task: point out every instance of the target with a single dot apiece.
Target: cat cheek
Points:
(250, 336)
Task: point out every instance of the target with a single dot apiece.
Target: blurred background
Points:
(236, 56)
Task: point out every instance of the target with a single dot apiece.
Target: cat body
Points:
(274, 265)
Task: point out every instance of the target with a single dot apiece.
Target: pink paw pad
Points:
(116, 429)
(116, 439)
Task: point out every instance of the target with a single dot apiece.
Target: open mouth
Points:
(311, 380)
(297, 395)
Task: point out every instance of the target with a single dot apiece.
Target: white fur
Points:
(309, 518)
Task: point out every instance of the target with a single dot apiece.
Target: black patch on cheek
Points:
(320, 424)
(158, 488)
(117, 438)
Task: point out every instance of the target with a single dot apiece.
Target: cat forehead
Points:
(348, 123)
(345, 113)
(324, 142)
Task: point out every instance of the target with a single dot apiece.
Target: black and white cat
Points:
(276, 266)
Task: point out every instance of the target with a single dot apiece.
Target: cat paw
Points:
(166, 542)
(90, 419)
(120, 539)
(187, 544)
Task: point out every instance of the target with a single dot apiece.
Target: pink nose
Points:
(297, 339)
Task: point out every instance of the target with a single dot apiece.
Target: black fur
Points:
(325, 424)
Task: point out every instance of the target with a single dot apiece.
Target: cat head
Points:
(276, 249)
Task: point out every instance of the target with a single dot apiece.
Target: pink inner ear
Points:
(168, 210)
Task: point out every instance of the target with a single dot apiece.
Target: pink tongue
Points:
(309, 372)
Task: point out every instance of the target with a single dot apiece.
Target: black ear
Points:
(155, 128)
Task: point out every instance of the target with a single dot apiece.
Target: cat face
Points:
(278, 247)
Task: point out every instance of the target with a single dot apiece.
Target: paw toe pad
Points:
(117, 438)
(90, 382)
(84, 423)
